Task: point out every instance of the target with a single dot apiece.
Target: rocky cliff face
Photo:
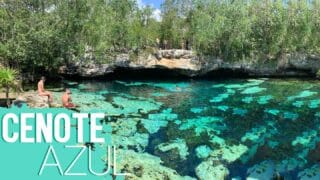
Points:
(187, 63)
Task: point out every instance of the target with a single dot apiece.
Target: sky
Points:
(153, 3)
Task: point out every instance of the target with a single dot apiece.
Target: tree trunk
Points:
(7, 96)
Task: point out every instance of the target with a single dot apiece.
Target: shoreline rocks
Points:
(186, 63)
(33, 100)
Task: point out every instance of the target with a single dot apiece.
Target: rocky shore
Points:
(33, 100)
(187, 63)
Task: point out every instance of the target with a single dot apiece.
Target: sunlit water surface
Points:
(251, 126)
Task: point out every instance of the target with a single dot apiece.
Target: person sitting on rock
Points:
(66, 99)
(42, 91)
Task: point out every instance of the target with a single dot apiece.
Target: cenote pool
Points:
(252, 127)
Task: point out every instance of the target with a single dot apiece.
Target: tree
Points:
(169, 26)
(29, 35)
(7, 80)
(38, 36)
(122, 15)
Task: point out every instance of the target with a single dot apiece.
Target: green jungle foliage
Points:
(48, 33)
(8, 80)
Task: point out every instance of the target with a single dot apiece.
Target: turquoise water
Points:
(255, 128)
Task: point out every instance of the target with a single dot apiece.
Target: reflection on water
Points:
(255, 127)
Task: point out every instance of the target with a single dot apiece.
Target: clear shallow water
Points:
(253, 127)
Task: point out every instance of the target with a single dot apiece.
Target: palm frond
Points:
(7, 76)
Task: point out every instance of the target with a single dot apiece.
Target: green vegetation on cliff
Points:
(47, 33)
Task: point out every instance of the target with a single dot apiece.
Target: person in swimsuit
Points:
(66, 99)
(42, 91)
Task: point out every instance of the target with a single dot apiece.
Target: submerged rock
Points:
(249, 84)
(197, 110)
(157, 121)
(253, 90)
(179, 145)
(255, 135)
(171, 87)
(223, 108)
(306, 139)
(229, 153)
(312, 173)
(288, 165)
(125, 135)
(218, 140)
(309, 141)
(290, 115)
(207, 170)
(145, 166)
(264, 99)
(274, 112)
(204, 124)
(137, 141)
(264, 170)
(314, 104)
(135, 106)
(220, 98)
(158, 94)
(239, 111)
(153, 126)
(218, 85)
(303, 94)
(165, 115)
(203, 151)
(298, 104)
(247, 100)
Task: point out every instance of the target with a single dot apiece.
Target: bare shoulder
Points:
(40, 83)
(40, 86)
(65, 97)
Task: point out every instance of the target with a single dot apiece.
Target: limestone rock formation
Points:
(187, 63)
(264, 170)
(182, 61)
(32, 99)
(145, 166)
(207, 170)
